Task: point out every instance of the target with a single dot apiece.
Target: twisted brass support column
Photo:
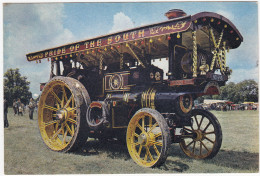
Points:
(101, 64)
(194, 40)
(224, 56)
(121, 61)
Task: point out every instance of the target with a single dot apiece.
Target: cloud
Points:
(29, 28)
(121, 22)
(239, 75)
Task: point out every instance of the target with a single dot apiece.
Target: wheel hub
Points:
(62, 114)
(142, 139)
(198, 135)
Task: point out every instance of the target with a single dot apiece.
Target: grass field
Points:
(25, 153)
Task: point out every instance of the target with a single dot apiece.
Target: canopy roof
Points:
(152, 38)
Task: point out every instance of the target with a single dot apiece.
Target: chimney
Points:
(175, 13)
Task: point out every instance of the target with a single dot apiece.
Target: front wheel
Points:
(148, 138)
(203, 139)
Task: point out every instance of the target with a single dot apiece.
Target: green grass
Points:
(25, 153)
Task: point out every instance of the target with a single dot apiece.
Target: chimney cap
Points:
(175, 13)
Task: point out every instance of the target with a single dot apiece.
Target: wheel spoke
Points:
(139, 126)
(189, 144)
(209, 140)
(72, 120)
(50, 108)
(68, 102)
(139, 150)
(51, 123)
(149, 154)
(156, 143)
(157, 135)
(56, 134)
(136, 135)
(58, 105)
(212, 132)
(150, 122)
(154, 125)
(146, 155)
(56, 96)
(195, 117)
(201, 121)
(187, 129)
(68, 128)
(64, 137)
(72, 109)
(193, 149)
(206, 127)
(64, 95)
(204, 146)
(57, 126)
(136, 143)
(143, 123)
(156, 150)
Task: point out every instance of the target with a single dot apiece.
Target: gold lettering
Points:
(63, 50)
(72, 48)
(154, 30)
(141, 33)
(117, 38)
(99, 42)
(87, 44)
(92, 44)
(109, 40)
(177, 26)
(77, 47)
(133, 34)
(35, 57)
(41, 55)
(126, 36)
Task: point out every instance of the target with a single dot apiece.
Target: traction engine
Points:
(114, 86)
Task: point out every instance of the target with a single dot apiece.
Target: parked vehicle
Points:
(107, 87)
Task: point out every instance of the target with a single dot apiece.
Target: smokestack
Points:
(175, 13)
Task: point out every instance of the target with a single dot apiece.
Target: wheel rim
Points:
(145, 141)
(58, 114)
(202, 139)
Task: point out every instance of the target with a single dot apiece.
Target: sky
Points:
(29, 27)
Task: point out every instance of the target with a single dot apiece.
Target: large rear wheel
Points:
(61, 114)
(202, 140)
(148, 138)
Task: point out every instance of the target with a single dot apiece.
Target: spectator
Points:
(23, 107)
(15, 107)
(6, 124)
(31, 107)
(20, 108)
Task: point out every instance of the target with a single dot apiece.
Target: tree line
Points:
(244, 91)
(16, 86)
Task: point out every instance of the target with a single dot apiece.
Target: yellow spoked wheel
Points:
(148, 138)
(61, 114)
(203, 139)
